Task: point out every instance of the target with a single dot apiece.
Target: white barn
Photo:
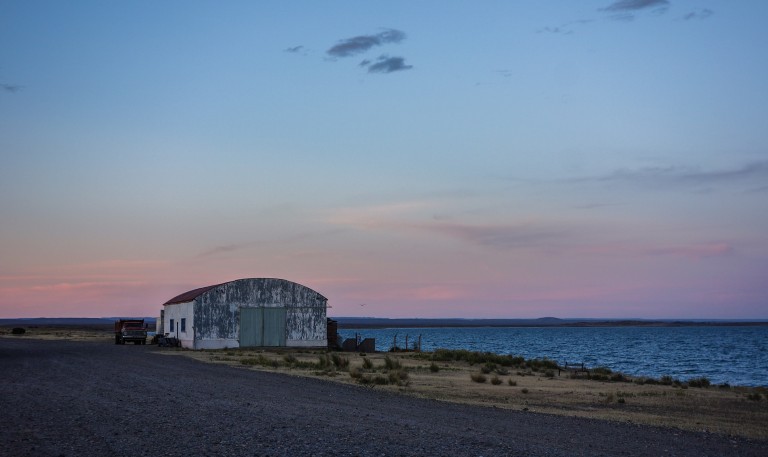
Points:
(251, 312)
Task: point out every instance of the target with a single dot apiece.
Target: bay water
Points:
(724, 354)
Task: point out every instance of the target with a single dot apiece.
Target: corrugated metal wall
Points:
(301, 321)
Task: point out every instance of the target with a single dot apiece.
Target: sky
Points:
(495, 159)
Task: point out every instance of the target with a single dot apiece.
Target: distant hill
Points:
(379, 322)
(374, 322)
(70, 321)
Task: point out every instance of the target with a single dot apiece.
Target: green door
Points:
(262, 327)
(274, 327)
(251, 327)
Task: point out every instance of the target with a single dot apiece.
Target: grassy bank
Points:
(530, 385)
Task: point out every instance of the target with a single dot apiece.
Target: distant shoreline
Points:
(569, 325)
(378, 322)
(371, 323)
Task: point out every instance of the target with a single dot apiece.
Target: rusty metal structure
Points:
(253, 312)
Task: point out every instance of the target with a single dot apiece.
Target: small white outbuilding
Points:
(252, 312)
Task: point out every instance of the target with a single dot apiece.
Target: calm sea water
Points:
(736, 355)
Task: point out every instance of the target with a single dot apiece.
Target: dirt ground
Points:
(95, 398)
(736, 411)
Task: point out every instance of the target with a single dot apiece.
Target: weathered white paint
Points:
(213, 316)
(216, 344)
(177, 312)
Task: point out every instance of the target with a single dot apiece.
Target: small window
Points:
(183, 324)
(171, 326)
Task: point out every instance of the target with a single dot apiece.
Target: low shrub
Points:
(339, 361)
(355, 373)
(18, 331)
(260, 360)
(524, 390)
(392, 364)
(290, 359)
(502, 371)
(602, 370)
(619, 377)
(699, 382)
(495, 380)
(323, 361)
(549, 374)
(511, 382)
(541, 364)
(478, 377)
(399, 377)
(755, 396)
(368, 364)
(434, 368)
(472, 357)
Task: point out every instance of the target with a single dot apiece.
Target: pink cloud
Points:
(630, 250)
(696, 252)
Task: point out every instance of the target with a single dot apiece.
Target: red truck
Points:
(130, 330)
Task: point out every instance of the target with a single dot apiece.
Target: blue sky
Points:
(503, 159)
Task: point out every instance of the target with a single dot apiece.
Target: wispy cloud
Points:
(222, 249)
(634, 5)
(699, 14)
(566, 28)
(696, 252)
(675, 175)
(386, 64)
(758, 189)
(498, 236)
(294, 49)
(359, 44)
(620, 10)
(692, 251)
(10, 87)
(624, 10)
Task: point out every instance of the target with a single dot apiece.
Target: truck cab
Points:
(130, 330)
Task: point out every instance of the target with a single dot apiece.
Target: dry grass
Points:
(63, 332)
(725, 411)
(717, 410)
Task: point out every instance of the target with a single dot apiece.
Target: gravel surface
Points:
(61, 398)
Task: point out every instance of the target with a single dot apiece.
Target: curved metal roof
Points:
(194, 293)
(190, 295)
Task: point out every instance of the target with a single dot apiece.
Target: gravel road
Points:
(93, 399)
